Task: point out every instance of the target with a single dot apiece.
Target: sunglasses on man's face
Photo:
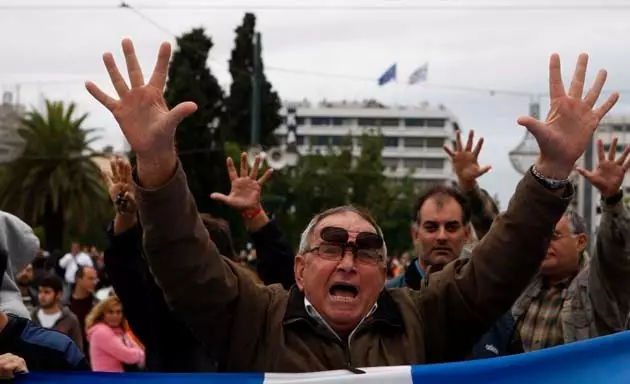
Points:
(366, 248)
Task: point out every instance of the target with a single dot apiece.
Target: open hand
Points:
(466, 160)
(571, 121)
(120, 186)
(245, 192)
(141, 112)
(609, 174)
(11, 364)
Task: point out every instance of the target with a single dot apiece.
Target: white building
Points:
(11, 143)
(413, 136)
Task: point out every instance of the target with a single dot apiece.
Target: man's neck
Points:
(52, 310)
(80, 293)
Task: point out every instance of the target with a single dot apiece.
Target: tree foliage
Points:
(55, 180)
(200, 137)
(238, 103)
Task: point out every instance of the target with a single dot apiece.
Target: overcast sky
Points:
(492, 48)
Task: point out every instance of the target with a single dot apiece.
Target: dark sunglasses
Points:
(367, 246)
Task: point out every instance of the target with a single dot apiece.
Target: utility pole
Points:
(256, 77)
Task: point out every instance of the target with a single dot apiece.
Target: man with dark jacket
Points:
(25, 346)
(170, 345)
(340, 316)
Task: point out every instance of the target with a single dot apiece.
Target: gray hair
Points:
(577, 224)
(305, 237)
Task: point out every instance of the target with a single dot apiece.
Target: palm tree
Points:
(54, 179)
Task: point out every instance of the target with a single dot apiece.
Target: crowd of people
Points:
(171, 294)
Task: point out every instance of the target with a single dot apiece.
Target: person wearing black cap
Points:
(26, 347)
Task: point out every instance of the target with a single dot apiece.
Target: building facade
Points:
(11, 143)
(413, 136)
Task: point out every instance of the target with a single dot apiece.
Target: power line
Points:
(327, 7)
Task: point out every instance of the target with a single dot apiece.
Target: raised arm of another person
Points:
(201, 286)
(275, 257)
(466, 166)
(608, 275)
(469, 296)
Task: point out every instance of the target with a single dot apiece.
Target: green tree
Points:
(238, 103)
(200, 139)
(55, 181)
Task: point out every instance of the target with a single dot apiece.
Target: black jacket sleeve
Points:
(275, 256)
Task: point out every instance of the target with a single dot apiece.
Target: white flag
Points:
(420, 74)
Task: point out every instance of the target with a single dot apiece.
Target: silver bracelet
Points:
(551, 183)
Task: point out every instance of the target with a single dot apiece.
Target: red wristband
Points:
(251, 213)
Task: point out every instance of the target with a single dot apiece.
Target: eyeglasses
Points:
(367, 247)
(558, 236)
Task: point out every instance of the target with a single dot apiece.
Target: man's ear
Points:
(298, 270)
(582, 242)
(468, 231)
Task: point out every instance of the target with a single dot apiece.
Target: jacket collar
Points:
(414, 275)
(386, 314)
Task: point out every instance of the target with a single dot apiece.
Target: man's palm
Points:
(245, 194)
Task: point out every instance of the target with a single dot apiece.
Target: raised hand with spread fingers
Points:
(571, 122)
(246, 187)
(142, 113)
(609, 174)
(466, 161)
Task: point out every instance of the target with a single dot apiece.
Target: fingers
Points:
(254, 172)
(612, 152)
(219, 197)
(534, 126)
(478, 147)
(243, 164)
(179, 113)
(585, 173)
(158, 78)
(593, 93)
(265, 176)
(484, 170)
(126, 171)
(601, 154)
(623, 159)
(133, 67)
(119, 83)
(231, 169)
(107, 179)
(458, 141)
(469, 142)
(101, 96)
(577, 83)
(448, 151)
(607, 106)
(556, 88)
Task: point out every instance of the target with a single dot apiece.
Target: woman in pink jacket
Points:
(111, 347)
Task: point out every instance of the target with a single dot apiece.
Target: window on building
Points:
(433, 163)
(320, 121)
(319, 140)
(413, 163)
(434, 142)
(364, 122)
(335, 140)
(389, 122)
(299, 140)
(435, 123)
(390, 163)
(415, 122)
(413, 142)
(391, 141)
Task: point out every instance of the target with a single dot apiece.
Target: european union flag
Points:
(388, 75)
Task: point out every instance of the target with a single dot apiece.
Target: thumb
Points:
(219, 197)
(179, 113)
(534, 126)
(585, 173)
(484, 170)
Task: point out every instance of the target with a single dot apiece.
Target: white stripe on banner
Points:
(376, 375)
(601, 360)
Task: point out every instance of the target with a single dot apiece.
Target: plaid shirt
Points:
(541, 326)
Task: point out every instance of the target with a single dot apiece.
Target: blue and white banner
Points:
(601, 360)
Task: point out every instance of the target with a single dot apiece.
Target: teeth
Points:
(343, 299)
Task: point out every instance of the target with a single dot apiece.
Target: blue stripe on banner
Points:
(601, 360)
(605, 359)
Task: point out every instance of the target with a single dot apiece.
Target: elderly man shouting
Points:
(339, 315)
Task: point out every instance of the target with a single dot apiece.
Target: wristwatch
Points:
(546, 182)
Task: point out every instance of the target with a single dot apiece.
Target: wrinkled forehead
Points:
(562, 226)
(350, 221)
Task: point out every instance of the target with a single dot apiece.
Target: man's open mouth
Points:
(343, 292)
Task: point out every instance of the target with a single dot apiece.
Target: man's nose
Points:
(442, 234)
(347, 260)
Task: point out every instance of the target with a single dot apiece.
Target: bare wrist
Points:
(155, 171)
